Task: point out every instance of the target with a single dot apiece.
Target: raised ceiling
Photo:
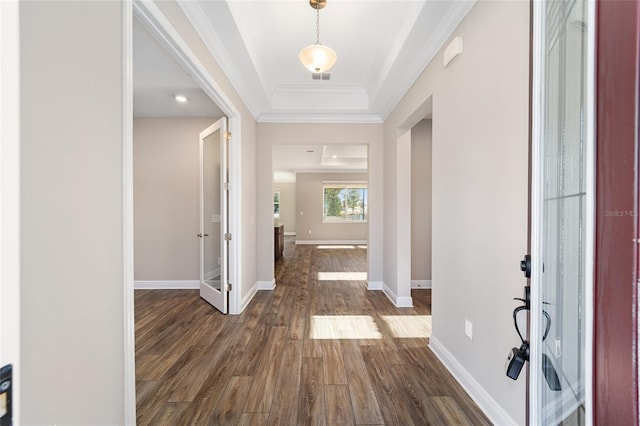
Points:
(382, 47)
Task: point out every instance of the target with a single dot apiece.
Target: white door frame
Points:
(154, 20)
(10, 195)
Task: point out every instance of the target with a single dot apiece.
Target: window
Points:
(276, 204)
(345, 203)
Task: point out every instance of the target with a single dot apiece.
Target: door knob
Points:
(199, 235)
(206, 235)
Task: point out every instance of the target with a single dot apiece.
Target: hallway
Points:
(320, 349)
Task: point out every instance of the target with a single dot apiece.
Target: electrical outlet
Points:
(468, 329)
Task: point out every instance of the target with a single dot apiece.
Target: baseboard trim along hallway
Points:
(478, 394)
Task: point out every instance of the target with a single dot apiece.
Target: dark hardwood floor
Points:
(319, 350)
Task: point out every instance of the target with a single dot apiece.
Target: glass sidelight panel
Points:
(558, 363)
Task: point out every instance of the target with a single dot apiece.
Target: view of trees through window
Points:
(276, 204)
(345, 203)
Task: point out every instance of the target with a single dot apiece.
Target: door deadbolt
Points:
(525, 265)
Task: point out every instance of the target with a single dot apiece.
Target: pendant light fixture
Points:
(317, 57)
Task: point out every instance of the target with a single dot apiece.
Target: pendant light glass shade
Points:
(317, 57)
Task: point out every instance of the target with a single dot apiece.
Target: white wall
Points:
(71, 231)
(287, 205)
(270, 134)
(480, 140)
(310, 202)
(246, 137)
(166, 197)
(421, 201)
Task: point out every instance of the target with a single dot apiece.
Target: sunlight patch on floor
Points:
(343, 327)
(342, 276)
(408, 326)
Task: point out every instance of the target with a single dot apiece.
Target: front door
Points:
(562, 206)
(214, 177)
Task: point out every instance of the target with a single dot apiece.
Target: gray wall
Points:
(310, 201)
(166, 197)
(421, 201)
(480, 156)
(287, 205)
(72, 270)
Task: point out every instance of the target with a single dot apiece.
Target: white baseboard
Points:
(266, 285)
(420, 284)
(289, 233)
(375, 285)
(331, 242)
(167, 285)
(398, 302)
(496, 414)
(248, 297)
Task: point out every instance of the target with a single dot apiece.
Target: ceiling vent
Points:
(321, 76)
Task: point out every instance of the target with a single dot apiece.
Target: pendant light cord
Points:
(317, 25)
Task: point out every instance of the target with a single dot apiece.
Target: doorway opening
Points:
(320, 197)
(421, 154)
(149, 18)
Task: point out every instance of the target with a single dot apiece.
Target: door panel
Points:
(213, 216)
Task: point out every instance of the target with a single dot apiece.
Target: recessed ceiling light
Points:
(180, 98)
(334, 156)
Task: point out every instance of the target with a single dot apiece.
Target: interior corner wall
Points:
(480, 161)
(71, 231)
(421, 201)
(245, 136)
(166, 197)
(287, 205)
(310, 197)
(269, 134)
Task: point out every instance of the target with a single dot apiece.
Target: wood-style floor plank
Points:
(311, 352)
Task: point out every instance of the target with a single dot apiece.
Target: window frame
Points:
(279, 203)
(360, 185)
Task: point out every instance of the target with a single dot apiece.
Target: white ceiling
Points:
(382, 47)
(157, 78)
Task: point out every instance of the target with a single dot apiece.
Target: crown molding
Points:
(448, 24)
(308, 118)
(249, 88)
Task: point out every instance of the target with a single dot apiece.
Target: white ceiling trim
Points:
(250, 87)
(444, 30)
(387, 83)
(307, 118)
(380, 72)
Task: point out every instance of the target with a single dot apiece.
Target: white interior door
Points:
(214, 201)
(562, 200)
